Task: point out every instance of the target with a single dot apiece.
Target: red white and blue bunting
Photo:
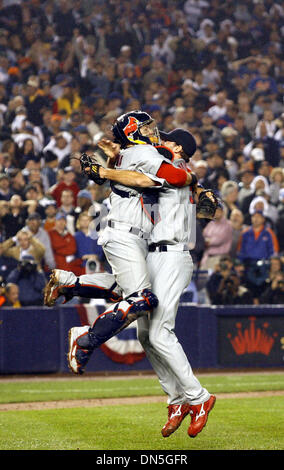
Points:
(123, 348)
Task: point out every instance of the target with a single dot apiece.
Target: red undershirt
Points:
(174, 176)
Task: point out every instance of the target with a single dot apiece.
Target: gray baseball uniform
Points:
(170, 273)
(125, 239)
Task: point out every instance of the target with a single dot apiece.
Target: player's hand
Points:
(110, 148)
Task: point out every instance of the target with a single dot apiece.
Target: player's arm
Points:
(174, 176)
(127, 177)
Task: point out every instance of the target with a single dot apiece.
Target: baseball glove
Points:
(207, 204)
(93, 173)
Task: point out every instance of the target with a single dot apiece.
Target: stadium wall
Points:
(35, 340)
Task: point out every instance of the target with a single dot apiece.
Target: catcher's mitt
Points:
(87, 161)
(207, 204)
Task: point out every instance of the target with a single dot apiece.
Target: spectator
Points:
(237, 222)
(229, 195)
(201, 169)
(21, 244)
(87, 247)
(258, 183)
(70, 100)
(246, 177)
(5, 190)
(277, 182)
(274, 293)
(60, 145)
(257, 242)
(50, 214)
(224, 286)
(256, 245)
(262, 202)
(67, 207)
(7, 264)
(280, 222)
(218, 240)
(17, 183)
(275, 267)
(30, 280)
(34, 225)
(208, 129)
(35, 101)
(64, 246)
(219, 109)
(49, 171)
(84, 202)
(15, 217)
(263, 82)
(2, 292)
(12, 296)
(32, 199)
(67, 182)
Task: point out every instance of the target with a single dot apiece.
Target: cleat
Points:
(52, 289)
(199, 416)
(77, 357)
(176, 414)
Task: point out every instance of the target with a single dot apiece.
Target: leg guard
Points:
(111, 322)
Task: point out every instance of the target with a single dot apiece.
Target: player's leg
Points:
(91, 286)
(171, 273)
(126, 254)
(83, 340)
(166, 377)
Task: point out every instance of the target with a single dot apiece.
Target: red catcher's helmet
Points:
(127, 129)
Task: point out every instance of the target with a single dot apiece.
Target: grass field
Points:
(236, 423)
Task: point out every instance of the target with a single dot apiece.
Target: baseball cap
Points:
(33, 216)
(85, 193)
(181, 137)
(68, 169)
(60, 215)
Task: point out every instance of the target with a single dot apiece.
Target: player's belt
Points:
(122, 193)
(155, 247)
(127, 228)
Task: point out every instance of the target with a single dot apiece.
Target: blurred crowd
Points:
(69, 68)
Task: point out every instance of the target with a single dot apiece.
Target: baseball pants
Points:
(126, 254)
(170, 273)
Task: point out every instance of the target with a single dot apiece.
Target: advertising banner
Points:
(253, 340)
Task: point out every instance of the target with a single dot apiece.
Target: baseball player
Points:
(125, 239)
(184, 391)
(170, 268)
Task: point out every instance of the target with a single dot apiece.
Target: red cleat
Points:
(199, 416)
(176, 414)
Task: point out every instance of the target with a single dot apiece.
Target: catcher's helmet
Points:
(127, 129)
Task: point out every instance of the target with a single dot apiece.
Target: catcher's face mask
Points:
(151, 132)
